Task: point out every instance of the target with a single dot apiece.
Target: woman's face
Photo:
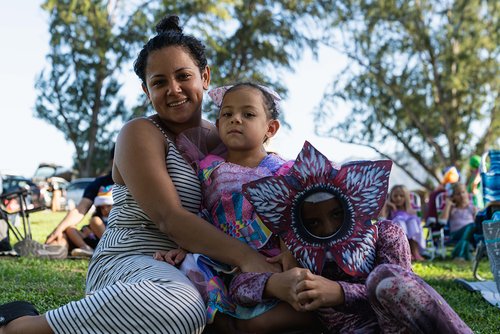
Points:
(175, 87)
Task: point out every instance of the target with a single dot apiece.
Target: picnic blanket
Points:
(488, 290)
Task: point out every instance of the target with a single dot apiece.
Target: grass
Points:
(52, 283)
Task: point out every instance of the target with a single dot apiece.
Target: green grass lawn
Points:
(51, 283)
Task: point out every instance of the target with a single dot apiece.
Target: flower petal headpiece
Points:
(360, 186)
(217, 94)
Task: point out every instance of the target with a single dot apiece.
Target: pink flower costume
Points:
(369, 259)
(225, 207)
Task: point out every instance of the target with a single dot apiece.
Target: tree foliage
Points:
(93, 41)
(423, 80)
(79, 92)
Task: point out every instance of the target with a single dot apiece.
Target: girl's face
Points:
(174, 85)
(105, 210)
(398, 197)
(460, 196)
(243, 122)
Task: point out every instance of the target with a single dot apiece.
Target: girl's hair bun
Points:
(169, 23)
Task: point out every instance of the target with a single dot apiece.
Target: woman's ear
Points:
(205, 77)
(272, 127)
(145, 89)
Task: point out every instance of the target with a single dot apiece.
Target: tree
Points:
(422, 81)
(92, 41)
(79, 93)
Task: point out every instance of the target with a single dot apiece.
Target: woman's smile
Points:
(177, 103)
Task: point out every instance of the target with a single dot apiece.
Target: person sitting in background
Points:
(460, 213)
(398, 209)
(74, 216)
(474, 182)
(85, 240)
(450, 176)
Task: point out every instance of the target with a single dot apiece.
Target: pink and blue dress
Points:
(226, 208)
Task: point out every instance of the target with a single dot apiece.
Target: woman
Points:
(128, 291)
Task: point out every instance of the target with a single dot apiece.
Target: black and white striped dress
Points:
(128, 291)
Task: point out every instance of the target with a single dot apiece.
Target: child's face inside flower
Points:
(322, 218)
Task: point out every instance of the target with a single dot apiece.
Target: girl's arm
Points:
(447, 209)
(140, 164)
(386, 209)
(306, 291)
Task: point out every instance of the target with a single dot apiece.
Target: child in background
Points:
(398, 209)
(474, 181)
(86, 239)
(247, 119)
(460, 213)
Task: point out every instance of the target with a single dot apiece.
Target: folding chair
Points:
(23, 210)
(489, 216)
(437, 230)
(416, 204)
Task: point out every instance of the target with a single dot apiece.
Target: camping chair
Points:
(488, 219)
(416, 204)
(437, 231)
(22, 208)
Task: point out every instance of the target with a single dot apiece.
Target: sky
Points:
(26, 141)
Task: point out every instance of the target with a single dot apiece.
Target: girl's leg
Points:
(222, 324)
(28, 324)
(463, 246)
(415, 251)
(415, 235)
(97, 226)
(75, 236)
(281, 318)
(402, 299)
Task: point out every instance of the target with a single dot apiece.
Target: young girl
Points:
(398, 209)
(363, 280)
(247, 119)
(86, 239)
(460, 213)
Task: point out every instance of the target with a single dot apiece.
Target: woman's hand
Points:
(315, 291)
(285, 259)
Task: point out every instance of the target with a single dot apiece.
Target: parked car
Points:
(49, 177)
(11, 183)
(74, 191)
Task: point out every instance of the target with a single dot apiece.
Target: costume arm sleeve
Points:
(247, 289)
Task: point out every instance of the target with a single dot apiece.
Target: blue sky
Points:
(27, 141)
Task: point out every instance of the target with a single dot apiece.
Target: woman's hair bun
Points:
(168, 23)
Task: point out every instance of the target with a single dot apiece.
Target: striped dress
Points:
(127, 290)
